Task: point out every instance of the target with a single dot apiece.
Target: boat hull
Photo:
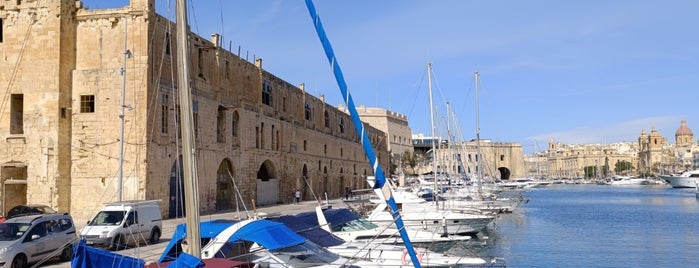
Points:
(680, 182)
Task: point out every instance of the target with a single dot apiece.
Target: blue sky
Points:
(572, 71)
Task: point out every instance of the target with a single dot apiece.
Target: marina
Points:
(226, 163)
(562, 225)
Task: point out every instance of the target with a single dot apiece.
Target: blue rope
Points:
(378, 172)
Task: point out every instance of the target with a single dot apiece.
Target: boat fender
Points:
(405, 254)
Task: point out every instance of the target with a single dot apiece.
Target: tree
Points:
(623, 166)
(410, 160)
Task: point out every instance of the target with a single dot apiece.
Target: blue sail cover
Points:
(271, 235)
(335, 217)
(88, 257)
(310, 231)
(209, 229)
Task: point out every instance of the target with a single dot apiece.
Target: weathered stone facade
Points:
(257, 137)
(569, 160)
(499, 160)
(395, 126)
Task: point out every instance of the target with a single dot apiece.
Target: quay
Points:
(151, 253)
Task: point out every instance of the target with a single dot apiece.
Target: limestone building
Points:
(257, 136)
(570, 160)
(499, 160)
(395, 126)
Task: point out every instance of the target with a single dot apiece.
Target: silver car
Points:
(34, 238)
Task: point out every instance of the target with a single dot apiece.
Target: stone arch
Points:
(176, 208)
(225, 193)
(504, 173)
(267, 184)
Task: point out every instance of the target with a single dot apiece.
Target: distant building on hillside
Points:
(652, 154)
(570, 160)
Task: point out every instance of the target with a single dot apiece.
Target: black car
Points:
(29, 209)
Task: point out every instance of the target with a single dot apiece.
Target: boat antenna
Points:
(359, 126)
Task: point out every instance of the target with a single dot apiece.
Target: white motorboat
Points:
(443, 222)
(627, 180)
(382, 248)
(685, 180)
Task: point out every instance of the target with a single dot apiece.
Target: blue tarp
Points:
(311, 232)
(88, 257)
(209, 229)
(269, 234)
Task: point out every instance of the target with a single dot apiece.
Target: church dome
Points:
(684, 130)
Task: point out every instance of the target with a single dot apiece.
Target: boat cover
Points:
(87, 257)
(271, 235)
(209, 229)
(311, 232)
(335, 217)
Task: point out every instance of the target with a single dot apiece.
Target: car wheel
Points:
(155, 236)
(118, 243)
(67, 253)
(19, 262)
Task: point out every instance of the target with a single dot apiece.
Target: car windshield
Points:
(108, 218)
(12, 231)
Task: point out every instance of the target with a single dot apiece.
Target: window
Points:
(219, 125)
(167, 43)
(164, 110)
(17, 116)
(304, 145)
(307, 108)
(227, 71)
(342, 125)
(1, 30)
(87, 103)
(234, 124)
(502, 157)
(327, 119)
(195, 118)
(267, 93)
(200, 63)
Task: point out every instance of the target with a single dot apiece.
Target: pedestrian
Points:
(297, 196)
(347, 193)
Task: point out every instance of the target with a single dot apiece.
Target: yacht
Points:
(685, 180)
(627, 180)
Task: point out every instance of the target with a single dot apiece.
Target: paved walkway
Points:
(151, 253)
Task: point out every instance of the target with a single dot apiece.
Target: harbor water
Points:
(599, 226)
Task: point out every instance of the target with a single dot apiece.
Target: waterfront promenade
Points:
(151, 253)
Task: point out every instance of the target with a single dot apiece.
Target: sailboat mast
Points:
(191, 185)
(479, 158)
(434, 149)
(120, 172)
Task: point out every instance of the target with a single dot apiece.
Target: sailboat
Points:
(381, 186)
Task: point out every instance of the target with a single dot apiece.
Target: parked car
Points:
(28, 239)
(29, 209)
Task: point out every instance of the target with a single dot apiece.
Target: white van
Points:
(124, 223)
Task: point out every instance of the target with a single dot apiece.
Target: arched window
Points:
(342, 125)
